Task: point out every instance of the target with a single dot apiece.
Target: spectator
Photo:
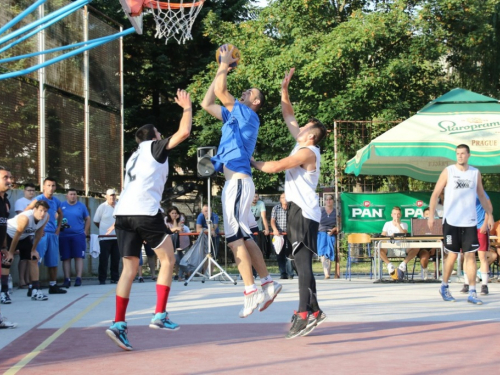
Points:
(104, 220)
(20, 206)
(5, 184)
(201, 226)
(390, 228)
(48, 247)
(259, 212)
(278, 223)
(426, 254)
(173, 222)
(73, 237)
(327, 235)
(24, 232)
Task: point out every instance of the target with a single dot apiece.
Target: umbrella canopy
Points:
(423, 145)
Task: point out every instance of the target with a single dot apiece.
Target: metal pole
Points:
(86, 119)
(122, 112)
(41, 101)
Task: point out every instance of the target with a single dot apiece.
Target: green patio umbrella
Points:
(423, 145)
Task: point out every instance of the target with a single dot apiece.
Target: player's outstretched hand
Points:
(226, 55)
(286, 80)
(183, 99)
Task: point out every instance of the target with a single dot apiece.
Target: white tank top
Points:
(145, 180)
(30, 229)
(300, 186)
(460, 197)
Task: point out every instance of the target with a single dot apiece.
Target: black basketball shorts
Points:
(132, 231)
(456, 238)
(300, 230)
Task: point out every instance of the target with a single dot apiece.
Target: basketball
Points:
(236, 55)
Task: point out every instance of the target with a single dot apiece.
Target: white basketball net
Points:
(175, 23)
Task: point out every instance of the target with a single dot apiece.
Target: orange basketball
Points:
(235, 54)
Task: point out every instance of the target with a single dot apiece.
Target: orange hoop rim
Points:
(153, 4)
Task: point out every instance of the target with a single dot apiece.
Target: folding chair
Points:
(357, 244)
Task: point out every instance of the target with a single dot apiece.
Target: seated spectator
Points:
(425, 254)
(390, 228)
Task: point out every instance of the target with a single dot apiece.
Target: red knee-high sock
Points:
(121, 308)
(162, 292)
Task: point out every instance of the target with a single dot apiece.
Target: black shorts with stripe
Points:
(24, 246)
(300, 230)
(132, 231)
(456, 238)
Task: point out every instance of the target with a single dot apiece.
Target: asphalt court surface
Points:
(371, 328)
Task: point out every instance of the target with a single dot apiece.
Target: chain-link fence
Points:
(64, 121)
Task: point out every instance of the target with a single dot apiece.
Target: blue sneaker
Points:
(445, 293)
(118, 333)
(78, 281)
(473, 299)
(161, 321)
(67, 283)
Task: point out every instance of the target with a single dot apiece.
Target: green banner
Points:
(368, 212)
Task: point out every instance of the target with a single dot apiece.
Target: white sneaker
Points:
(390, 268)
(270, 290)
(37, 295)
(402, 266)
(252, 301)
(4, 323)
(5, 298)
(425, 273)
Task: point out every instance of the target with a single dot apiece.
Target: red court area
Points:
(333, 348)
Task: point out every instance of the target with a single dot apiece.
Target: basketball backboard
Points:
(133, 10)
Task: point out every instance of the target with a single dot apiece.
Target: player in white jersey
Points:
(461, 182)
(139, 219)
(301, 179)
(24, 232)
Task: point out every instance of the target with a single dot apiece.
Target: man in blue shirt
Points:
(48, 247)
(239, 136)
(73, 237)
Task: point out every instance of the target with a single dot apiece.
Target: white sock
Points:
(266, 279)
(484, 278)
(52, 283)
(250, 288)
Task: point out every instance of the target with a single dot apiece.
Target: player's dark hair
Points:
(317, 129)
(43, 204)
(29, 185)
(262, 99)
(49, 179)
(464, 146)
(71, 189)
(2, 168)
(145, 133)
(427, 209)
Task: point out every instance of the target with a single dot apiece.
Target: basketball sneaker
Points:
(37, 295)
(298, 325)
(465, 289)
(55, 289)
(78, 281)
(270, 290)
(162, 321)
(4, 323)
(66, 283)
(484, 290)
(5, 298)
(118, 333)
(473, 299)
(252, 301)
(314, 320)
(445, 293)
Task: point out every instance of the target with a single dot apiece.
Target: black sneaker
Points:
(284, 276)
(484, 290)
(54, 289)
(30, 292)
(298, 325)
(313, 322)
(465, 289)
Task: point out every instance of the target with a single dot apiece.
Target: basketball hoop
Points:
(173, 20)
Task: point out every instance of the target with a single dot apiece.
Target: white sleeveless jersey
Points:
(300, 186)
(460, 197)
(145, 180)
(30, 229)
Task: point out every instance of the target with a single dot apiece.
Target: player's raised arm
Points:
(183, 100)
(220, 88)
(286, 106)
(209, 105)
(302, 157)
